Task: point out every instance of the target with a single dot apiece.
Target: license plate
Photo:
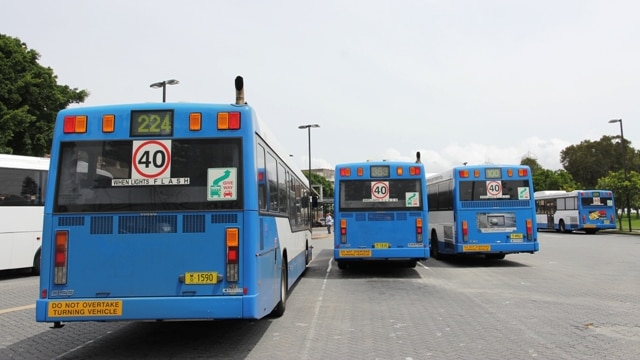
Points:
(516, 237)
(589, 226)
(355, 253)
(476, 247)
(381, 245)
(201, 278)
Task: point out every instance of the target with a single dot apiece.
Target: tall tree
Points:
(30, 98)
(591, 160)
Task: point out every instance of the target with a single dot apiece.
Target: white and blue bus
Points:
(483, 210)
(170, 211)
(380, 211)
(566, 211)
(23, 182)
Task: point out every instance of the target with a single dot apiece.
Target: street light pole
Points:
(163, 84)
(308, 127)
(624, 166)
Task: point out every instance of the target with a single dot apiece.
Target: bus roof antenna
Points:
(418, 158)
(240, 91)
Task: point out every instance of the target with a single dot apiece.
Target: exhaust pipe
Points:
(240, 91)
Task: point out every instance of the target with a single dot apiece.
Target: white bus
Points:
(22, 185)
(586, 210)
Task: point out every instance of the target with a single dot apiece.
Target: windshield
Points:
(100, 176)
(367, 195)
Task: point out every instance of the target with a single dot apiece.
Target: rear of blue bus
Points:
(380, 213)
(596, 210)
(494, 211)
(147, 216)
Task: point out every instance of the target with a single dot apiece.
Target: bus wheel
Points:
(562, 227)
(282, 304)
(434, 247)
(307, 255)
(35, 270)
(495, 256)
(412, 263)
(342, 265)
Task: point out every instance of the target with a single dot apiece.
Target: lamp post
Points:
(308, 127)
(624, 166)
(163, 84)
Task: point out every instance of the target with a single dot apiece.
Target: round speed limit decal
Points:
(380, 190)
(494, 188)
(151, 159)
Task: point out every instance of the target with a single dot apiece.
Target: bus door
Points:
(550, 210)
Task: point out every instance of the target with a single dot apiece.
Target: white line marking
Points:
(26, 307)
(316, 311)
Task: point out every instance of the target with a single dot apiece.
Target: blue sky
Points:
(460, 81)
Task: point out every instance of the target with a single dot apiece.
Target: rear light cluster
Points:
(465, 231)
(529, 229)
(343, 231)
(77, 124)
(233, 254)
(419, 230)
(60, 258)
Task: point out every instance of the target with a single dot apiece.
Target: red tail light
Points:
(233, 254)
(419, 230)
(529, 229)
(61, 256)
(343, 231)
(465, 231)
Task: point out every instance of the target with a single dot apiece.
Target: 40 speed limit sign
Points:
(151, 159)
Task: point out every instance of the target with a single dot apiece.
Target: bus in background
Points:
(23, 181)
(482, 209)
(380, 210)
(587, 210)
(162, 211)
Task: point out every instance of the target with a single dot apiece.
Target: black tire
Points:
(495, 256)
(307, 255)
(35, 270)
(278, 311)
(433, 246)
(562, 226)
(412, 263)
(342, 265)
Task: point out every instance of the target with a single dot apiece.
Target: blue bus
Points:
(170, 211)
(380, 210)
(482, 209)
(566, 211)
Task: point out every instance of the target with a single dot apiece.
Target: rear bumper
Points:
(159, 308)
(381, 254)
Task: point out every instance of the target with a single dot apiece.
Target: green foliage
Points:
(622, 187)
(30, 98)
(591, 160)
(544, 179)
(327, 188)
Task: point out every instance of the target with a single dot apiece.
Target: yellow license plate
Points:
(85, 308)
(589, 226)
(201, 278)
(381, 245)
(476, 247)
(516, 236)
(355, 253)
